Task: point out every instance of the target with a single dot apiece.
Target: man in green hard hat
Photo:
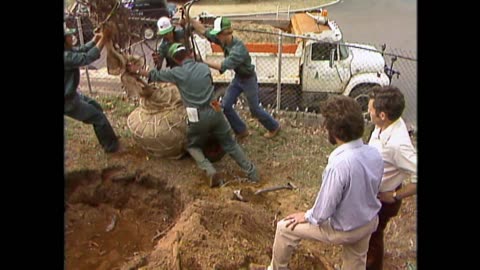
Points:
(237, 57)
(77, 105)
(205, 117)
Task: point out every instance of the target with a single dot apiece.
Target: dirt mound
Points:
(223, 236)
(117, 219)
(112, 216)
(213, 235)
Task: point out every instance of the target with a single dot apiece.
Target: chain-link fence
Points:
(295, 72)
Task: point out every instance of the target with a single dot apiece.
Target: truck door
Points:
(317, 75)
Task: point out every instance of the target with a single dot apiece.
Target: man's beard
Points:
(331, 139)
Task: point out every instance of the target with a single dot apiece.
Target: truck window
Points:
(321, 51)
(343, 51)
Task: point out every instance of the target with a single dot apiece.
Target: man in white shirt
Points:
(390, 137)
(346, 207)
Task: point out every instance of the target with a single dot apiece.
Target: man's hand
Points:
(182, 22)
(107, 33)
(386, 197)
(295, 219)
(133, 68)
(97, 37)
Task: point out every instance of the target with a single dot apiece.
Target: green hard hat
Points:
(220, 24)
(174, 48)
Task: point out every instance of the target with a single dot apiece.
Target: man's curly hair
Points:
(343, 118)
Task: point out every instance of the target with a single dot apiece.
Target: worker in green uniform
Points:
(194, 80)
(237, 58)
(81, 107)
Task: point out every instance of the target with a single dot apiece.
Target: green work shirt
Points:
(236, 55)
(162, 49)
(193, 79)
(73, 59)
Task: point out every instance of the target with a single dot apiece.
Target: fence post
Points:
(279, 74)
(80, 37)
(278, 7)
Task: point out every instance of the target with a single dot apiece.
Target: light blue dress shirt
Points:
(350, 184)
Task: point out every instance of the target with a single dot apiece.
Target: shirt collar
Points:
(345, 147)
(387, 133)
(186, 61)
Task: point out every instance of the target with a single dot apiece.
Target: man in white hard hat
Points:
(169, 34)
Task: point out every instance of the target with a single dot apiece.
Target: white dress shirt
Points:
(399, 155)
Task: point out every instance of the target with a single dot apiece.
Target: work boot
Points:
(215, 180)
(271, 134)
(242, 135)
(120, 149)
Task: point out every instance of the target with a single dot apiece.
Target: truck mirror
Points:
(332, 56)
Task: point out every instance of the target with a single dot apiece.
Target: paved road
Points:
(393, 22)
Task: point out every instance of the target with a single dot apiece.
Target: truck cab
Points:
(329, 65)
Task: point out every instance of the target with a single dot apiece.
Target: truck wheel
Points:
(360, 94)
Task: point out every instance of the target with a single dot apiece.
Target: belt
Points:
(241, 76)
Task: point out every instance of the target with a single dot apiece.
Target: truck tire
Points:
(360, 94)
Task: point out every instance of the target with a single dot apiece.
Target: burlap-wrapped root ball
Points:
(158, 125)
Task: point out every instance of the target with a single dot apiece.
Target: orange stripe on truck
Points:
(262, 48)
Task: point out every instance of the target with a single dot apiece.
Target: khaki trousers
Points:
(355, 243)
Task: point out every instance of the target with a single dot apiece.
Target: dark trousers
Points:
(87, 110)
(376, 245)
(249, 87)
(212, 122)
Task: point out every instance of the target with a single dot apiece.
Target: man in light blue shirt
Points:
(345, 211)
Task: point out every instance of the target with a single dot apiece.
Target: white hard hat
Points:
(164, 26)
